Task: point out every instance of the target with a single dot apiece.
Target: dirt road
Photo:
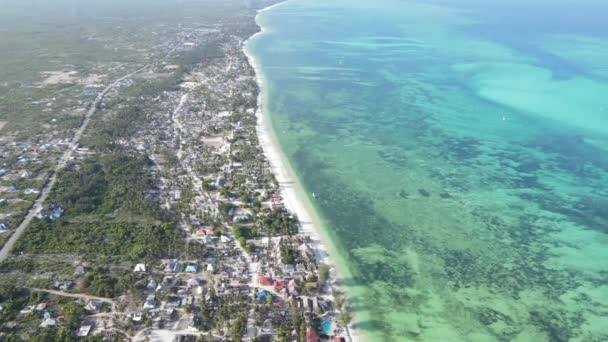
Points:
(74, 295)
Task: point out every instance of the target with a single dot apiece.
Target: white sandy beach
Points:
(294, 197)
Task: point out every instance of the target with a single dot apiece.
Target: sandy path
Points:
(75, 295)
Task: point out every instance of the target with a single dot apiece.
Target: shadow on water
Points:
(575, 155)
(373, 246)
(587, 211)
(366, 239)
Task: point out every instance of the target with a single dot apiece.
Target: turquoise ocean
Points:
(458, 153)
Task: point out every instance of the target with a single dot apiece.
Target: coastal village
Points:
(240, 267)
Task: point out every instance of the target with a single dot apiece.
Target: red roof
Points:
(266, 281)
(339, 339)
(312, 336)
(279, 285)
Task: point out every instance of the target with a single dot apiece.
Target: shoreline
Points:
(292, 192)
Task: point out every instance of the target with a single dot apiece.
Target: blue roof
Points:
(264, 295)
(192, 268)
(327, 327)
(3, 226)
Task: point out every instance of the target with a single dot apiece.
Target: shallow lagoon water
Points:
(458, 151)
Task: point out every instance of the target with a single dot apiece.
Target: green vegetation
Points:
(63, 335)
(216, 311)
(238, 326)
(346, 317)
(98, 41)
(104, 185)
(206, 53)
(109, 219)
(292, 321)
(13, 299)
(129, 241)
(102, 283)
(289, 253)
(279, 222)
(106, 213)
(196, 250)
(323, 273)
(31, 263)
(4, 237)
(242, 234)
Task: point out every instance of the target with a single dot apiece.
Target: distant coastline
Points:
(293, 194)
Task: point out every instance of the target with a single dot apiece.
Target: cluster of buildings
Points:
(24, 169)
(201, 139)
(51, 212)
(211, 169)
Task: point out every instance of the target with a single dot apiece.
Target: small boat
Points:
(314, 196)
